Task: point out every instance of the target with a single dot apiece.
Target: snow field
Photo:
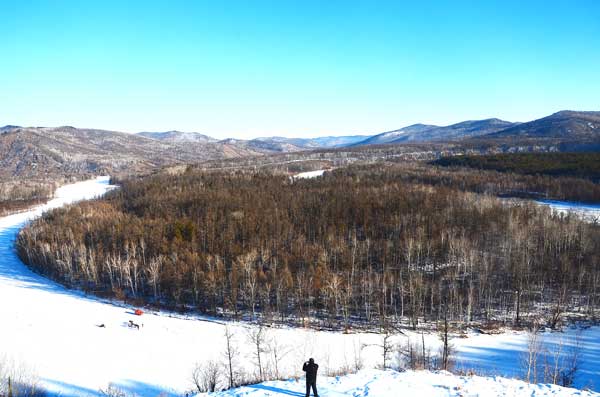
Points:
(309, 174)
(376, 383)
(588, 212)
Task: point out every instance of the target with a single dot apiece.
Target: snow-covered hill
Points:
(57, 333)
(375, 383)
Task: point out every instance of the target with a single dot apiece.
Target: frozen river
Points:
(588, 212)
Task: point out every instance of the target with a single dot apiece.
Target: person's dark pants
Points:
(314, 388)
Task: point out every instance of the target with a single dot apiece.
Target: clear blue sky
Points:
(294, 68)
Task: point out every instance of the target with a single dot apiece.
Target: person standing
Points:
(311, 376)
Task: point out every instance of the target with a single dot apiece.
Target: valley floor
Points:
(56, 334)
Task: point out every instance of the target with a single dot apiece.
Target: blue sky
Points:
(294, 68)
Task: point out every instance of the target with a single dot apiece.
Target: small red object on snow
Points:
(138, 312)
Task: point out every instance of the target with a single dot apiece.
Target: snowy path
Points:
(374, 383)
(54, 332)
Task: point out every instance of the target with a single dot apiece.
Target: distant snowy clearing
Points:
(309, 174)
(588, 212)
(58, 334)
(375, 383)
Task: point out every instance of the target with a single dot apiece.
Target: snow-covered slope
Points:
(178, 136)
(389, 136)
(56, 333)
(375, 383)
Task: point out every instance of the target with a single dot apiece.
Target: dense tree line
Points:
(581, 165)
(16, 195)
(355, 246)
(503, 184)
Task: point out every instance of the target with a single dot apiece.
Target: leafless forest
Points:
(409, 243)
(18, 195)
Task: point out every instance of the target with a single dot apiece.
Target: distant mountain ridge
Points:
(391, 136)
(462, 130)
(274, 143)
(430, 133)
(178, 136)
(564, 124)
(319, 142)
(7, 128)
(42, 151)
(34, 151)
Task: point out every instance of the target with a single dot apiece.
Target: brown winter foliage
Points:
(358, 245)
(17, 195)
(504, 184)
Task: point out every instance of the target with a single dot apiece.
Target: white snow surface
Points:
(309, 174)
(587, 212)
(54, 332)
(377, 383)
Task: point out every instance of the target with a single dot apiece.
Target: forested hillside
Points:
(356, 245)
(581, 165)
(17, 195)
(503, 184)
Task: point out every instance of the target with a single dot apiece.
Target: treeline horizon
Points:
(359, 245)
(19, 195)
(503, 183)
(576, 165)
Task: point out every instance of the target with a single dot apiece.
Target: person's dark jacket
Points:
(311, 371)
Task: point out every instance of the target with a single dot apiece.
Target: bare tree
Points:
(446, 349)
(358, 361)
(257, 336)
(247, 263)
(571, 363)
(113, 391)
(230, 355)
(387, 346)
(154, 271)
(205, 376)
(16, 379)
(278, 352)
(413, 356)
(531, 356)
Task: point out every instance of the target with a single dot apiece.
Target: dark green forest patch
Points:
(580, 165)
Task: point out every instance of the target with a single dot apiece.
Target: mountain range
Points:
(275, 143)
(561, 125)
(35, 151)
(428, 133)
(26, 151)
(178, 136)
(566, 124)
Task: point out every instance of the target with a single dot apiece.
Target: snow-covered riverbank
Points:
(55, 332)
(588, 212)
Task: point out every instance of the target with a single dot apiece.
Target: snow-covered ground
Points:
(588, 212)
(309, 174)
(501, 354)
(55, 332)
(376, 383)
